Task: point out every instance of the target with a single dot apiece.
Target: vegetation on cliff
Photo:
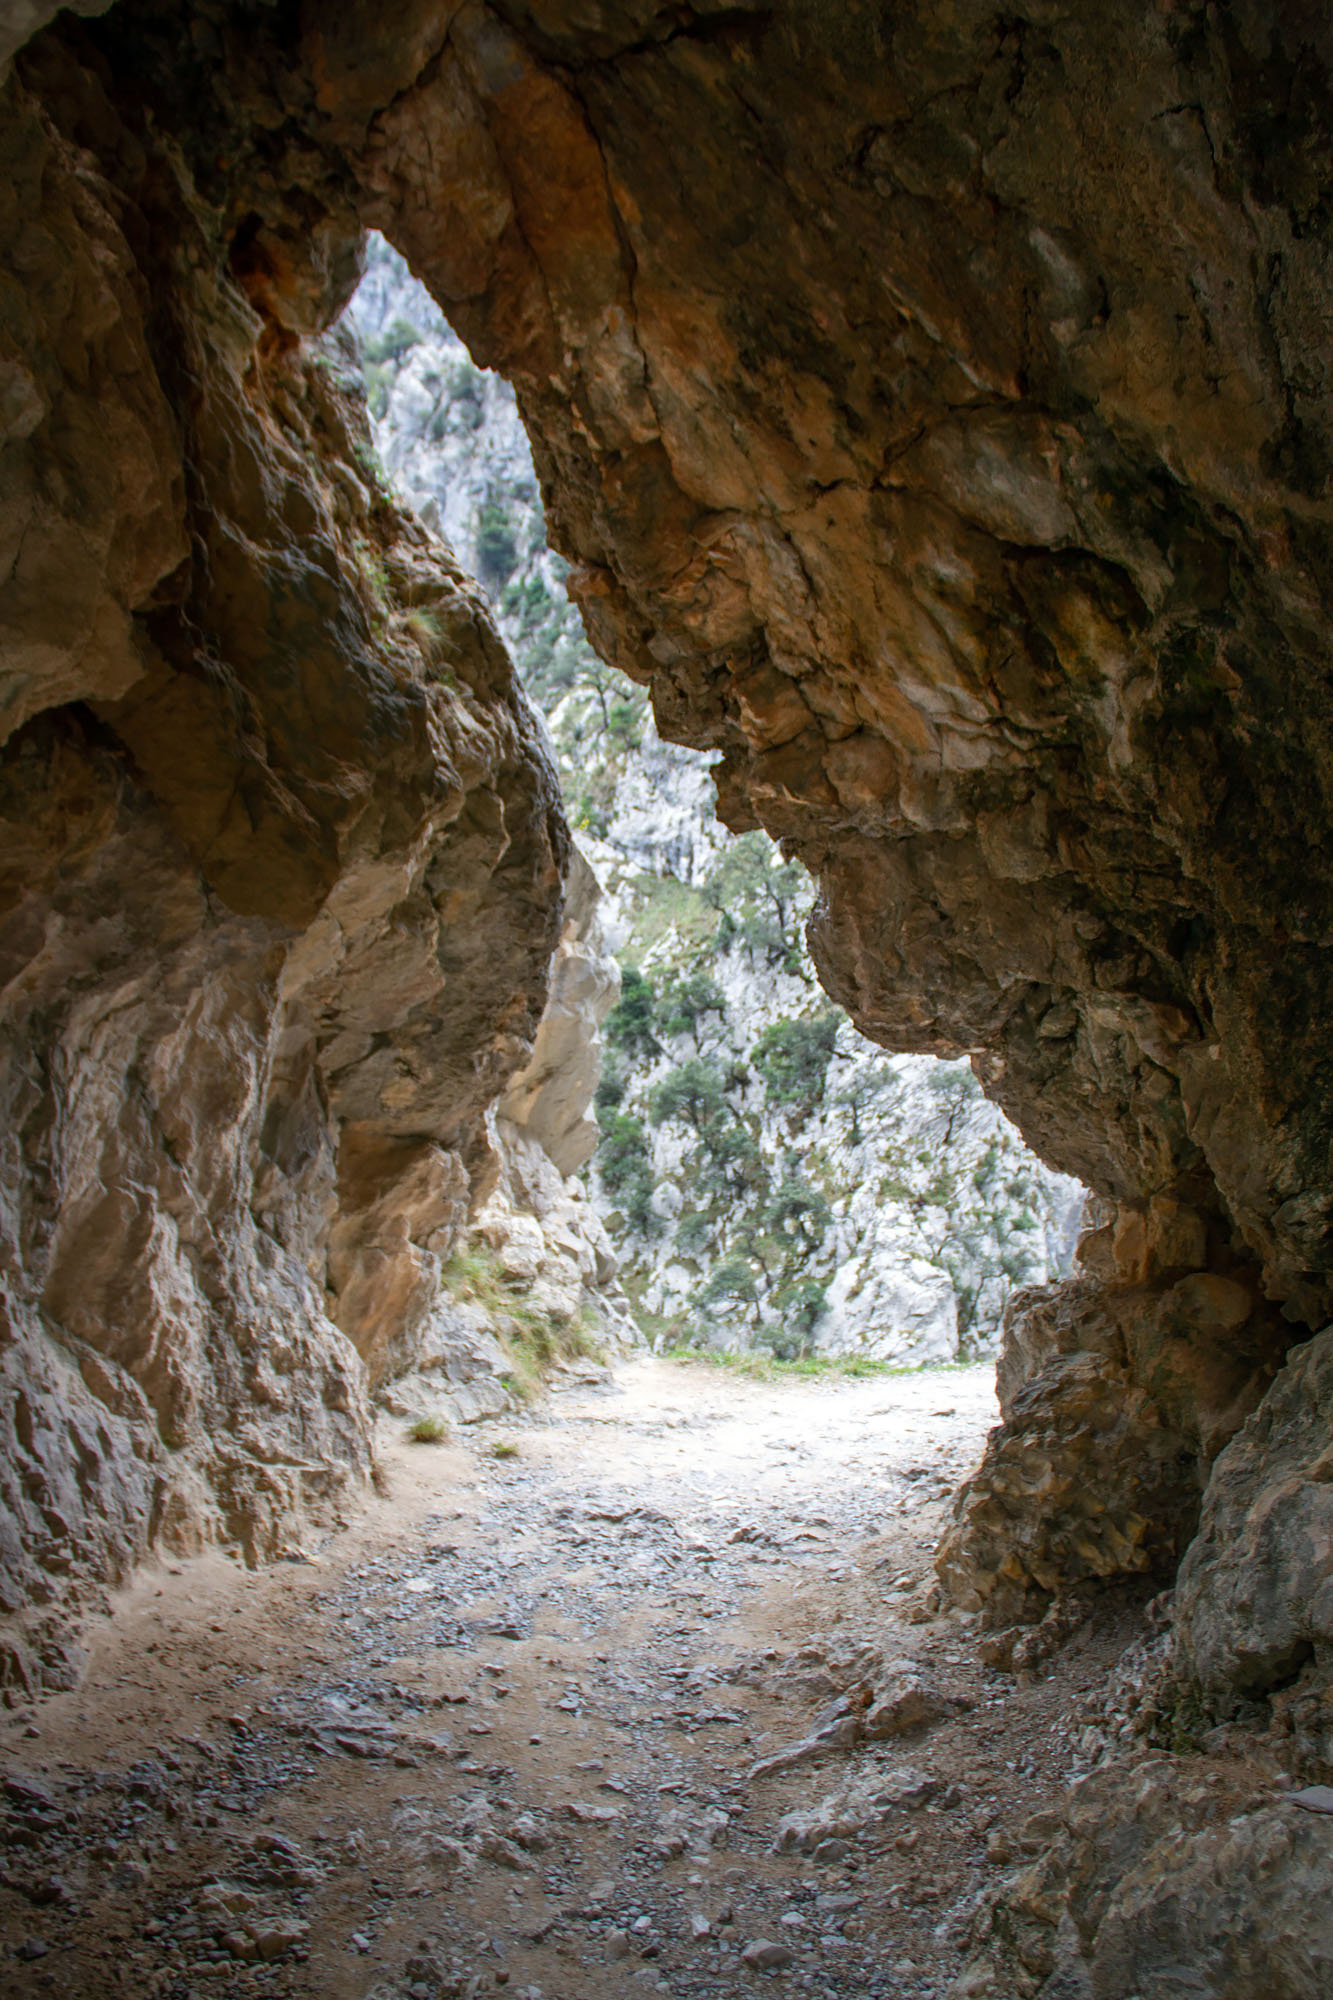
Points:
(769, 1177)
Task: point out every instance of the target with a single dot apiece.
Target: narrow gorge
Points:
(930, 413)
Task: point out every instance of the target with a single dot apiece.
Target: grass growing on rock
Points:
(535, 1341)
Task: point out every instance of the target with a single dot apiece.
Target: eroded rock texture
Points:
(1254, 1603)
(936, 412)
(1164, 1878)
(283, 865)
(935, 407)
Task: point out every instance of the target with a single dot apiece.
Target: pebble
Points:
(1313, 1798)
(477, 1824)
(766, 1956)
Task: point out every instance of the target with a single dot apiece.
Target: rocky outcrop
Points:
(935, 413)
(977, 518)
(550, 1098)
(1254, 1601)
(1164, 1878)
(1116, 1398)
(283, 875)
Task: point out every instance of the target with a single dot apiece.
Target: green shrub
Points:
(391, 345)
(497, 551)
(377, 388)
(731, 1159)
(694, 1226)
(793, 1058)
(686, 1004)
(692, 1093)
(802, 1303)
(629, 1025)
(624, 722)
(626, 1169)
(466, 394)
(783, 1343)
(734, 1280)
(759, 899)
(428, 1430)
(800, 1211)
(611, 1087)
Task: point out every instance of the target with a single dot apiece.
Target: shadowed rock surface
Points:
(283, 867)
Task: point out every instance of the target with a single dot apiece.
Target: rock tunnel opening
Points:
(772, 1182)
(918, 428)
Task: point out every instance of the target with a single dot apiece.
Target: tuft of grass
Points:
(428, 1430)
(503, 1449)
(533, 1341)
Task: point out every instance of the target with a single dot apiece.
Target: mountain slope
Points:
(766, 1174)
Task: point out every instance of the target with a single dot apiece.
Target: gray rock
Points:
(907, 1703)
(1160, 1866)
(1254, 1600)
(766, 1956)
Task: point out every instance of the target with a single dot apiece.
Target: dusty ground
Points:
(499, 1734)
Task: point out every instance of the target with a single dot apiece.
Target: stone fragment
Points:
(906, 1704)
(766, 1956)
(1313, 1798)
(591, 1814)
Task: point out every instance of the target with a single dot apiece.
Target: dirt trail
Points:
(499, 1735)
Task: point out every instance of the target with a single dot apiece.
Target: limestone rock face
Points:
(935, 408)
(283, 872)
(1254, 1602)
(92, 517)
(1160, 1867)
(550, 1097)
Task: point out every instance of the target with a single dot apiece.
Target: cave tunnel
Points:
(932, 407)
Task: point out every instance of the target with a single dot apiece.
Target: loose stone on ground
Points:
(655, 1705)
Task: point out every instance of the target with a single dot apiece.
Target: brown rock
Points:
(1254, 1605)
(1159, 1865)
(277, 901)
(933, 412)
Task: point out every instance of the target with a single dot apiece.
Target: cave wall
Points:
(934, 406)
(283, 872)
(936, 411)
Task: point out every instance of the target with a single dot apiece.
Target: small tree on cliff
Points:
(626, 1169)
(629, 1025)
(758, 897)
(732, 1281)
(793, 1058)
(692, 1093)
(685, 1005)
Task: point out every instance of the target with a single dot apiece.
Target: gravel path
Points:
(642, 1694)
